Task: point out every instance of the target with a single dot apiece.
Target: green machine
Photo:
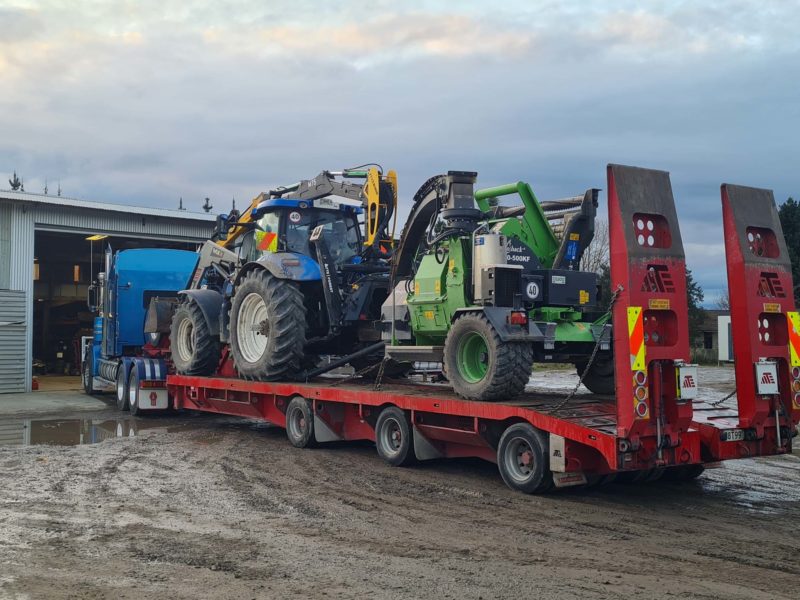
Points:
(487, 289)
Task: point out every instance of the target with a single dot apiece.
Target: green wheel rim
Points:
(473, 357)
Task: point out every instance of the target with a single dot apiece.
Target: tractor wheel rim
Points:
(185, 340)
(252, 314)
(520, 460)
(473, 357)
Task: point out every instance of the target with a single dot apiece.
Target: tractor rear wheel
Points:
(268, 327)
(600, 378)
(480, 366)
(195, 351)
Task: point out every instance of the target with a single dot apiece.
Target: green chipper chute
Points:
(486, 289)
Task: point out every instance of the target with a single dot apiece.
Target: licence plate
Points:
(733, 435)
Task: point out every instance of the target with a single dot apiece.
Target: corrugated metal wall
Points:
(13, 341)
(18, 222)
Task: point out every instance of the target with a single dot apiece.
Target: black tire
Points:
(683, 473)
(284, 325)
(195, 351)
(508, 365)
(86, 373)
(523, 459)
(122, 390)
(394, 438)
(600, 378)
(300, 423)
(134, 398)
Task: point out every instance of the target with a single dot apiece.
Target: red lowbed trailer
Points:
(652, 427)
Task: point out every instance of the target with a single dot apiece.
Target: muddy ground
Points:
(196, 506)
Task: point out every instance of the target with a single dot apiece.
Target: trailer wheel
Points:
(268, 327)
(123, 396)
(482, 367)
(300, 423)
(88, 378)
(600, 378)
(133, 391)
(394, 439)
(522, 457)
(195, 351)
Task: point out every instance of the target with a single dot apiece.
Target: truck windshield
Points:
(340, 232)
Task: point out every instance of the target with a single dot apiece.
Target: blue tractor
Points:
(126, 353)
(302, 273)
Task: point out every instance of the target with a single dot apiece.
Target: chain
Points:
(355, 375)
(379, 376)
(589, 364)
(718, 402)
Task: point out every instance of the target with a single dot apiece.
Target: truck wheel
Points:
(88, 378)
(394, 438)
(122, 389)
(133, 391)
(195, 351)
(522, 458)
(482, 367)
(268, 327)
(600, 378)
(300, 423)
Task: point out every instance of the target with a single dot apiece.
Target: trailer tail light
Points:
(640, 395)
(518, 318)
(149, 383)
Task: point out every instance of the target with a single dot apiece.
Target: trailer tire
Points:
(394, 438)
(195, 351)
(480, 366)
(123, 397)
(683, 473)
(86, 375)
(522, 458)
(133, 392)
(600, 378)
(300, 423)
(275, 351)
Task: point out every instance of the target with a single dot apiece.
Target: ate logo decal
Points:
(767, 379)
(688, 381)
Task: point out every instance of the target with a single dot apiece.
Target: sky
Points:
(143, 103)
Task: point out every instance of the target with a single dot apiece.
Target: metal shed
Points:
(23, 215)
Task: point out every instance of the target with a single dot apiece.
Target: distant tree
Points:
(722, 301)
(15, 183)
(695, 298)
(604, 283)
(595, 257)
(789, 213)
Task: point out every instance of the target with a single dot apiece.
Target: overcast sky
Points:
(145, 102)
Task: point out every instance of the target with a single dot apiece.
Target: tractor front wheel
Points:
(480, 366)
(195, 351)
(268, 327)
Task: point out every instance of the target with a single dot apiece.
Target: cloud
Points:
(145, 102)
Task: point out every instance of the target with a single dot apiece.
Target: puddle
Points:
(67, 432)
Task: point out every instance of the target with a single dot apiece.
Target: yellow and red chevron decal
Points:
(793, 319)
(636, 337)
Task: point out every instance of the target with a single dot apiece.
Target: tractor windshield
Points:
(339, 231)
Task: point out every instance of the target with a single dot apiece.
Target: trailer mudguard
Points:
(210, 303)
(650, 318)
(764, 323)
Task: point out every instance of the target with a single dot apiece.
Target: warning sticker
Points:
(772, 307)
(658, 304)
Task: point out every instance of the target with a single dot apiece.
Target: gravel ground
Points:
(215, 507)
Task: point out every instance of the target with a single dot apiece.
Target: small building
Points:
(51, 249)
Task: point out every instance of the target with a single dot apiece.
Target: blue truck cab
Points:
(120, 356)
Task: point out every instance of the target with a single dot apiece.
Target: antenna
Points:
(180, 204)
(59, 187)
(45, 187)
(207, 206)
